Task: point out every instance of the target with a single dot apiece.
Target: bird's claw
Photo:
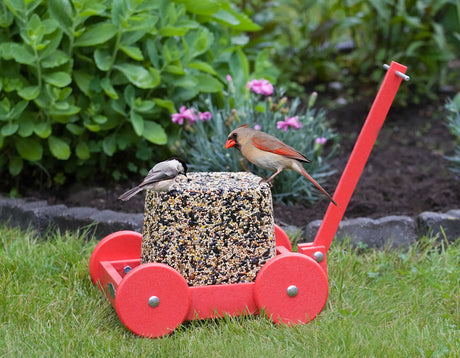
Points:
(265, 181)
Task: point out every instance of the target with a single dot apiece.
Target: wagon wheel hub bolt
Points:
(126, 269)
(154, 301)
(318, 256)
(292, 291)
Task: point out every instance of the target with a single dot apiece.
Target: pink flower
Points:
(184, 114)
(257, 127)
(229, 78)
(205, 116)
(320, 140)
(261, 86)
(289, 122)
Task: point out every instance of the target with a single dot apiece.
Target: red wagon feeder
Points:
(153, 299)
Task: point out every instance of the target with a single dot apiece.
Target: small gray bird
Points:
(159, 178)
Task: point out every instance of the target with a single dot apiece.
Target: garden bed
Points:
(406, 173)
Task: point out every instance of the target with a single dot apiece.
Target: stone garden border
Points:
(377, 233)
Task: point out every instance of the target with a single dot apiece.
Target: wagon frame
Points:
(153, 299)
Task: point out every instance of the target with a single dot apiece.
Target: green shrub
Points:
(86, 85)
(453, 122)
(314, 42)
(204, 145)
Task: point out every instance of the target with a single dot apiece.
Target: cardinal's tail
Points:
(315, 183)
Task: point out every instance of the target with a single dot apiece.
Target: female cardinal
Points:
(267, 152)
(159, 178)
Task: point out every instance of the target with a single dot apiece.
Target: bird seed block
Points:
(214, 228)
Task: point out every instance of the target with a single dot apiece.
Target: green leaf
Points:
(170, 31)
(139, 76)
(155, 133)
(125, 139)
(103, 59)
(239, 67)
(108, 88)
(74, 129)
(235, 20)
(100, 119)
(226, 17)
(28, 148)
(202, 66)
(64, 109)
(130, 95)
(19, 53)
(43, 129)
(18, 109)
(6, 19)
(29, 93)
(58, 79)
(52, 42)
(202, 7)
(61, 10)
(182, 94)
(175, 69)
(456, 101)
(138, 123)
(245, 23)
(83, 81)
(56, 59)
(198, 42)
(9, 129)
(263, 68)
(165, 103)
(50, 26)
(26, 127)
(152, 52)
(171, 52)
(33, 32)
(109, 145)
(240, 40)
(82, 151)
(207, 83)
(96, 34)
(92, 127)
(188, 81)
(133, 52)
(59, 148)
(143, 106)
(118, 106)
(15, 165)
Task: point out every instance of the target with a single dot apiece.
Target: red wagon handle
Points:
(360, 154)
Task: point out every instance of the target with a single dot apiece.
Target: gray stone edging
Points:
(394, 230)
(40, 216)
(390, 230)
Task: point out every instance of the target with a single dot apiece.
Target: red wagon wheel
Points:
(152, 300)
(292, 288)
(120, 245)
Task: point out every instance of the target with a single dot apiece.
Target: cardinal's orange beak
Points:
(230, 143)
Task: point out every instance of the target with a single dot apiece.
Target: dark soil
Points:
(406, 173)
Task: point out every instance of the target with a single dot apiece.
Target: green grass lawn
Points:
(381, 304)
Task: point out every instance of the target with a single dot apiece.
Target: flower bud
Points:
(312, 100)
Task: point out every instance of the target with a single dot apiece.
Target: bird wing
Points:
(276, 146)
(161, 171)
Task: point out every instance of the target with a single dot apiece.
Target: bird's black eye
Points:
(234, 135)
